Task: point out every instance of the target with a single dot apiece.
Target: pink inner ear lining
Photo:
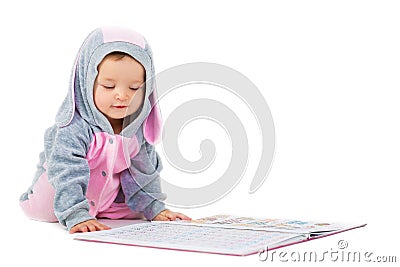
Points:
(112, 34)
(152, 129)
(152, 124)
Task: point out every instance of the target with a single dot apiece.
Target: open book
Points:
(220, 234)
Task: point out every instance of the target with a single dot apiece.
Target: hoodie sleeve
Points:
(68, 172)
(141, 183)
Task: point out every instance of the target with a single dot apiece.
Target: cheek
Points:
(96, 97)
(137, 98)
(99, 98)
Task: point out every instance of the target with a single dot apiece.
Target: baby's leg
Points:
(39, 205)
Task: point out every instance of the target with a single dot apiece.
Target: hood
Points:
(96, 46)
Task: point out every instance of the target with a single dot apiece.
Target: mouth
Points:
(120, 106)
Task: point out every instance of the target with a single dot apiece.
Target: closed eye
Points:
(108, 86)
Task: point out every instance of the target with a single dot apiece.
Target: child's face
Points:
(117, 91)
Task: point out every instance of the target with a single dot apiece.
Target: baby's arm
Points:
(68, 172)
(141, 183)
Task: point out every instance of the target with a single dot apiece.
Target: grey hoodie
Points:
(90, 167)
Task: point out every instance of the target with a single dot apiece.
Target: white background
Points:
(329, 71)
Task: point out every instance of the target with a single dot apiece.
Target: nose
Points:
(121, 94)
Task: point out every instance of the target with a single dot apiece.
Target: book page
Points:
(275, 225)
(193, 238)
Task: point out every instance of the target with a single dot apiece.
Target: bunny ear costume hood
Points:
(97, 45)
(87, 171)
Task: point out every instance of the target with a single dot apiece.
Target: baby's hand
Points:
(167, 215)
(88, 226)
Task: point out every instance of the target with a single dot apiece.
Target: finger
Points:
(82, 228)
(73, 230)
(105, 227)
(91, 227)
(172, 216)
(100, 226)
(183, 216)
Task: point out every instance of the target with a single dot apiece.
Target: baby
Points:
(99, 159)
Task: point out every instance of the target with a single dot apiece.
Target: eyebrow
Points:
(112, 80)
